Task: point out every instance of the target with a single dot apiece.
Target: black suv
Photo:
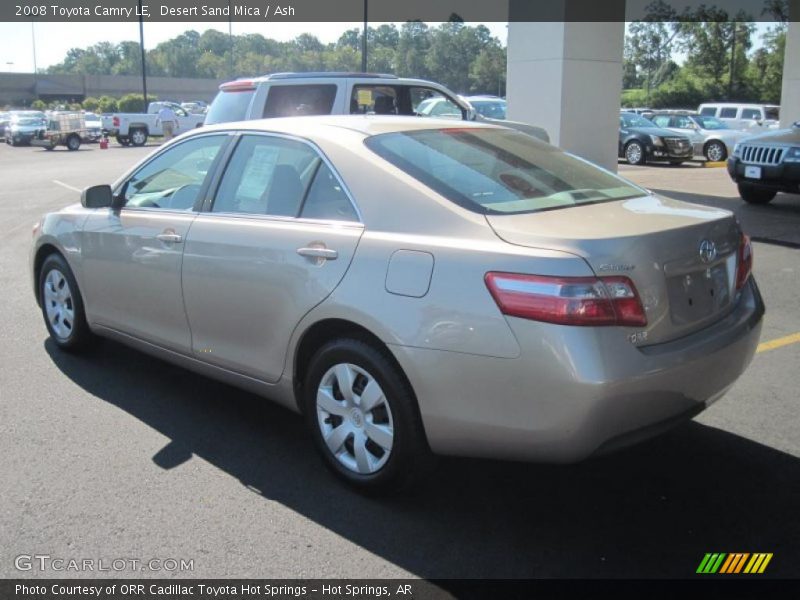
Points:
(766, 164)
(641, 141)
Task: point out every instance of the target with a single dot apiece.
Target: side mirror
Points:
(97, 196)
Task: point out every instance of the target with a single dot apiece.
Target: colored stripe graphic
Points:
(734, 563)
(711, 562)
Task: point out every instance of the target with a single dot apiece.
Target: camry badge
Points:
(708, 251)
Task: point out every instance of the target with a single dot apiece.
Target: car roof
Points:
(367, 125)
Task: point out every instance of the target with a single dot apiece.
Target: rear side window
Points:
(229, 106)
(709, 111)
(299, 100)
(728, 113)
(497, 171)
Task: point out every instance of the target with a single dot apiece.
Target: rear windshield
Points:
(229, 106)
(497, 171)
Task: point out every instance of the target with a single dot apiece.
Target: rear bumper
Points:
(576, 391)
(784, 177)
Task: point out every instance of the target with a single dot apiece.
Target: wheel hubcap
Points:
(58, 304)
(354, 418)
(138, 137)
(714, 152)
(634, 153)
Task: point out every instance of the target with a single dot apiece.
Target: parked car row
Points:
(22, 127)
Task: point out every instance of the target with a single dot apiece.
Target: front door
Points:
(279, 237)
(132, 256)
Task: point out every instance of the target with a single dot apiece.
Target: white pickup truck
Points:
(136, 128)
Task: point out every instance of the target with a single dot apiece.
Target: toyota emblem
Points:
(708, 251)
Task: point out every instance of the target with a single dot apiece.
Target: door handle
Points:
(169, 238)
(318, 253)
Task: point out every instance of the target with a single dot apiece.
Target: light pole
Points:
(33, 39)
(144, 62)
(364, 40)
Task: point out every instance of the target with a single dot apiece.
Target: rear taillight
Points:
(115, 121)
(744, 263)
(583, 301)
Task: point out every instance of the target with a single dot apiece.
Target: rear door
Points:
(275, 242)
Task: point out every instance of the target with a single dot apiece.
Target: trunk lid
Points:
(657, 243)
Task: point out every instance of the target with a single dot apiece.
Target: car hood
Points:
(779, 136)
(660, 132)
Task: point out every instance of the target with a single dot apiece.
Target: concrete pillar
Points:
(567, 77)
(790, 92)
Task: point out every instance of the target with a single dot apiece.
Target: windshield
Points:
(28, 121)
(632, 120)
(492, 109)
(710, 122)
(498, 171)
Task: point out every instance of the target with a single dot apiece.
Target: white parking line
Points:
(66, 185)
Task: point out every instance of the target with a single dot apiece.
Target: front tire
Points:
(62, 305)
(754, 195)
(634, 153)
(363, 416)
(716, 151)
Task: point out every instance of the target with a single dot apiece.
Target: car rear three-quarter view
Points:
(411, 287)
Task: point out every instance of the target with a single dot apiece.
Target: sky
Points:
(54, 39)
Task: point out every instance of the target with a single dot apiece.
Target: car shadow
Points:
(650, 511)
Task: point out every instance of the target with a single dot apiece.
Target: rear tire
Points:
(73, 142)
(363, 417)
(755, 195)
(138, 137)
(62, 305)
(634, 153)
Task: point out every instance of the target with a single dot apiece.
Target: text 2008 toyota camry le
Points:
(410, 286)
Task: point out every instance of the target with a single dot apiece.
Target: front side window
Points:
(709, 111)
(497, 171)
(751, 113)
(173, 179)
(299, 100)
(661, 120)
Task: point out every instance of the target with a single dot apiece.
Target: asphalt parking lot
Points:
(117, 455)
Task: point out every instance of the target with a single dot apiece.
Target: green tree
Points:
(91, 104)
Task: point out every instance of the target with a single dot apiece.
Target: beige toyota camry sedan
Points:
(411, 286)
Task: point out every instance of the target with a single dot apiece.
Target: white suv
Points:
(743, 116)
(302, 94)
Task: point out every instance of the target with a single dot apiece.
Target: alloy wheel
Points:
(633, 153)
